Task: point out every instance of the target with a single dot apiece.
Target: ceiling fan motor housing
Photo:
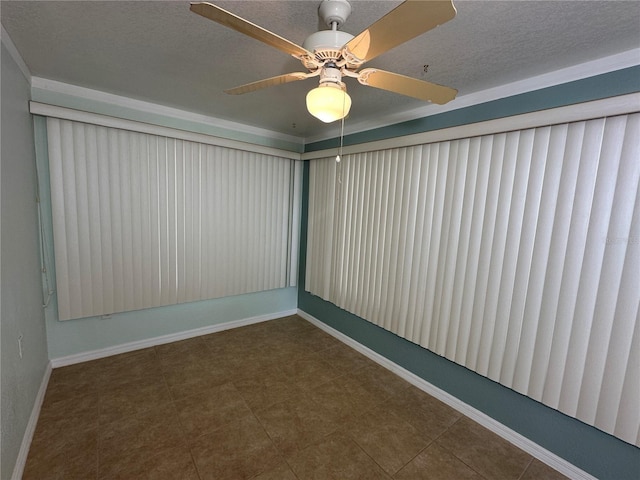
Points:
(326, 44)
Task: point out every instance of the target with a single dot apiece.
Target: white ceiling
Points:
(160, 52)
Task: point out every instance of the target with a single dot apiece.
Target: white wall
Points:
(21, 302)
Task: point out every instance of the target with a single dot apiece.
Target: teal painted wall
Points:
(597, 453)
(87, 334)
(21, 304)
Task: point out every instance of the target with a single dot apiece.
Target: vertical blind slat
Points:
(610, 286)
(621, 345)
(569, 161)
(482, 171)
(575, 252)
(590, 274)
(467, 176)
(524, 287)
(469, 344)
(93, 205)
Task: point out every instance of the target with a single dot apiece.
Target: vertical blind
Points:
(142, 220)
(514, 254)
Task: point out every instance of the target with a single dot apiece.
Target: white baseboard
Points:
(561, 465)
(172, 337)
(21, 461)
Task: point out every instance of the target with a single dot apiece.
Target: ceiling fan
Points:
(333, 54)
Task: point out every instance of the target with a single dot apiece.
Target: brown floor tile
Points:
(266, 388)
(240, 451)
(146, 464)
(133, 398)
(234, 342)
(283, 348)
(308, 373)
(337, 457)
(193, 377)
(145, 435)
(62, 428)
(295, 424)
(315, 340)
(68, 382)
(58, 453)
(386, 438)
(62, 432)
(435, 462)
(253, 362)
(381, 382)
(207, 411)
(79, 464)
(240, 358)
(281, 472)
(128, 367)
(344, 358)
(189, 349)
(344, 396)
(292, 323)
(484, 451)
(425, 413)
(538, 470)
(80, 411)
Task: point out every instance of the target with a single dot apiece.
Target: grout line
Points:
(435, 440)
(526, 468)
(431, 442)
(195, 465)
(373, 459)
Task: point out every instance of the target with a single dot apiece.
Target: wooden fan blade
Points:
(412, 87)
(228, 19)
(406, 21)
(268, 82)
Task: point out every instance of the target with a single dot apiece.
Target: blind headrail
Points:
(63, 113)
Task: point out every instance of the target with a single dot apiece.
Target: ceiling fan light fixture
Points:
(329, 102)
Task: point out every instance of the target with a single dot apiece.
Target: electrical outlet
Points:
(20, 345)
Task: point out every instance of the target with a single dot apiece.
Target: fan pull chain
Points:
(339, 155)
(339, 162)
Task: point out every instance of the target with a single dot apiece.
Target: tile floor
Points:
(280, 400)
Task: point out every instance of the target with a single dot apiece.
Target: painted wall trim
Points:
(15, 54)
(620, 105)
(53, 86)
(64, 113)
(161, 340)
(532, 448)
(581, 71)
(23, 453)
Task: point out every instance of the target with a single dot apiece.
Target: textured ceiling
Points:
(161, 52)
